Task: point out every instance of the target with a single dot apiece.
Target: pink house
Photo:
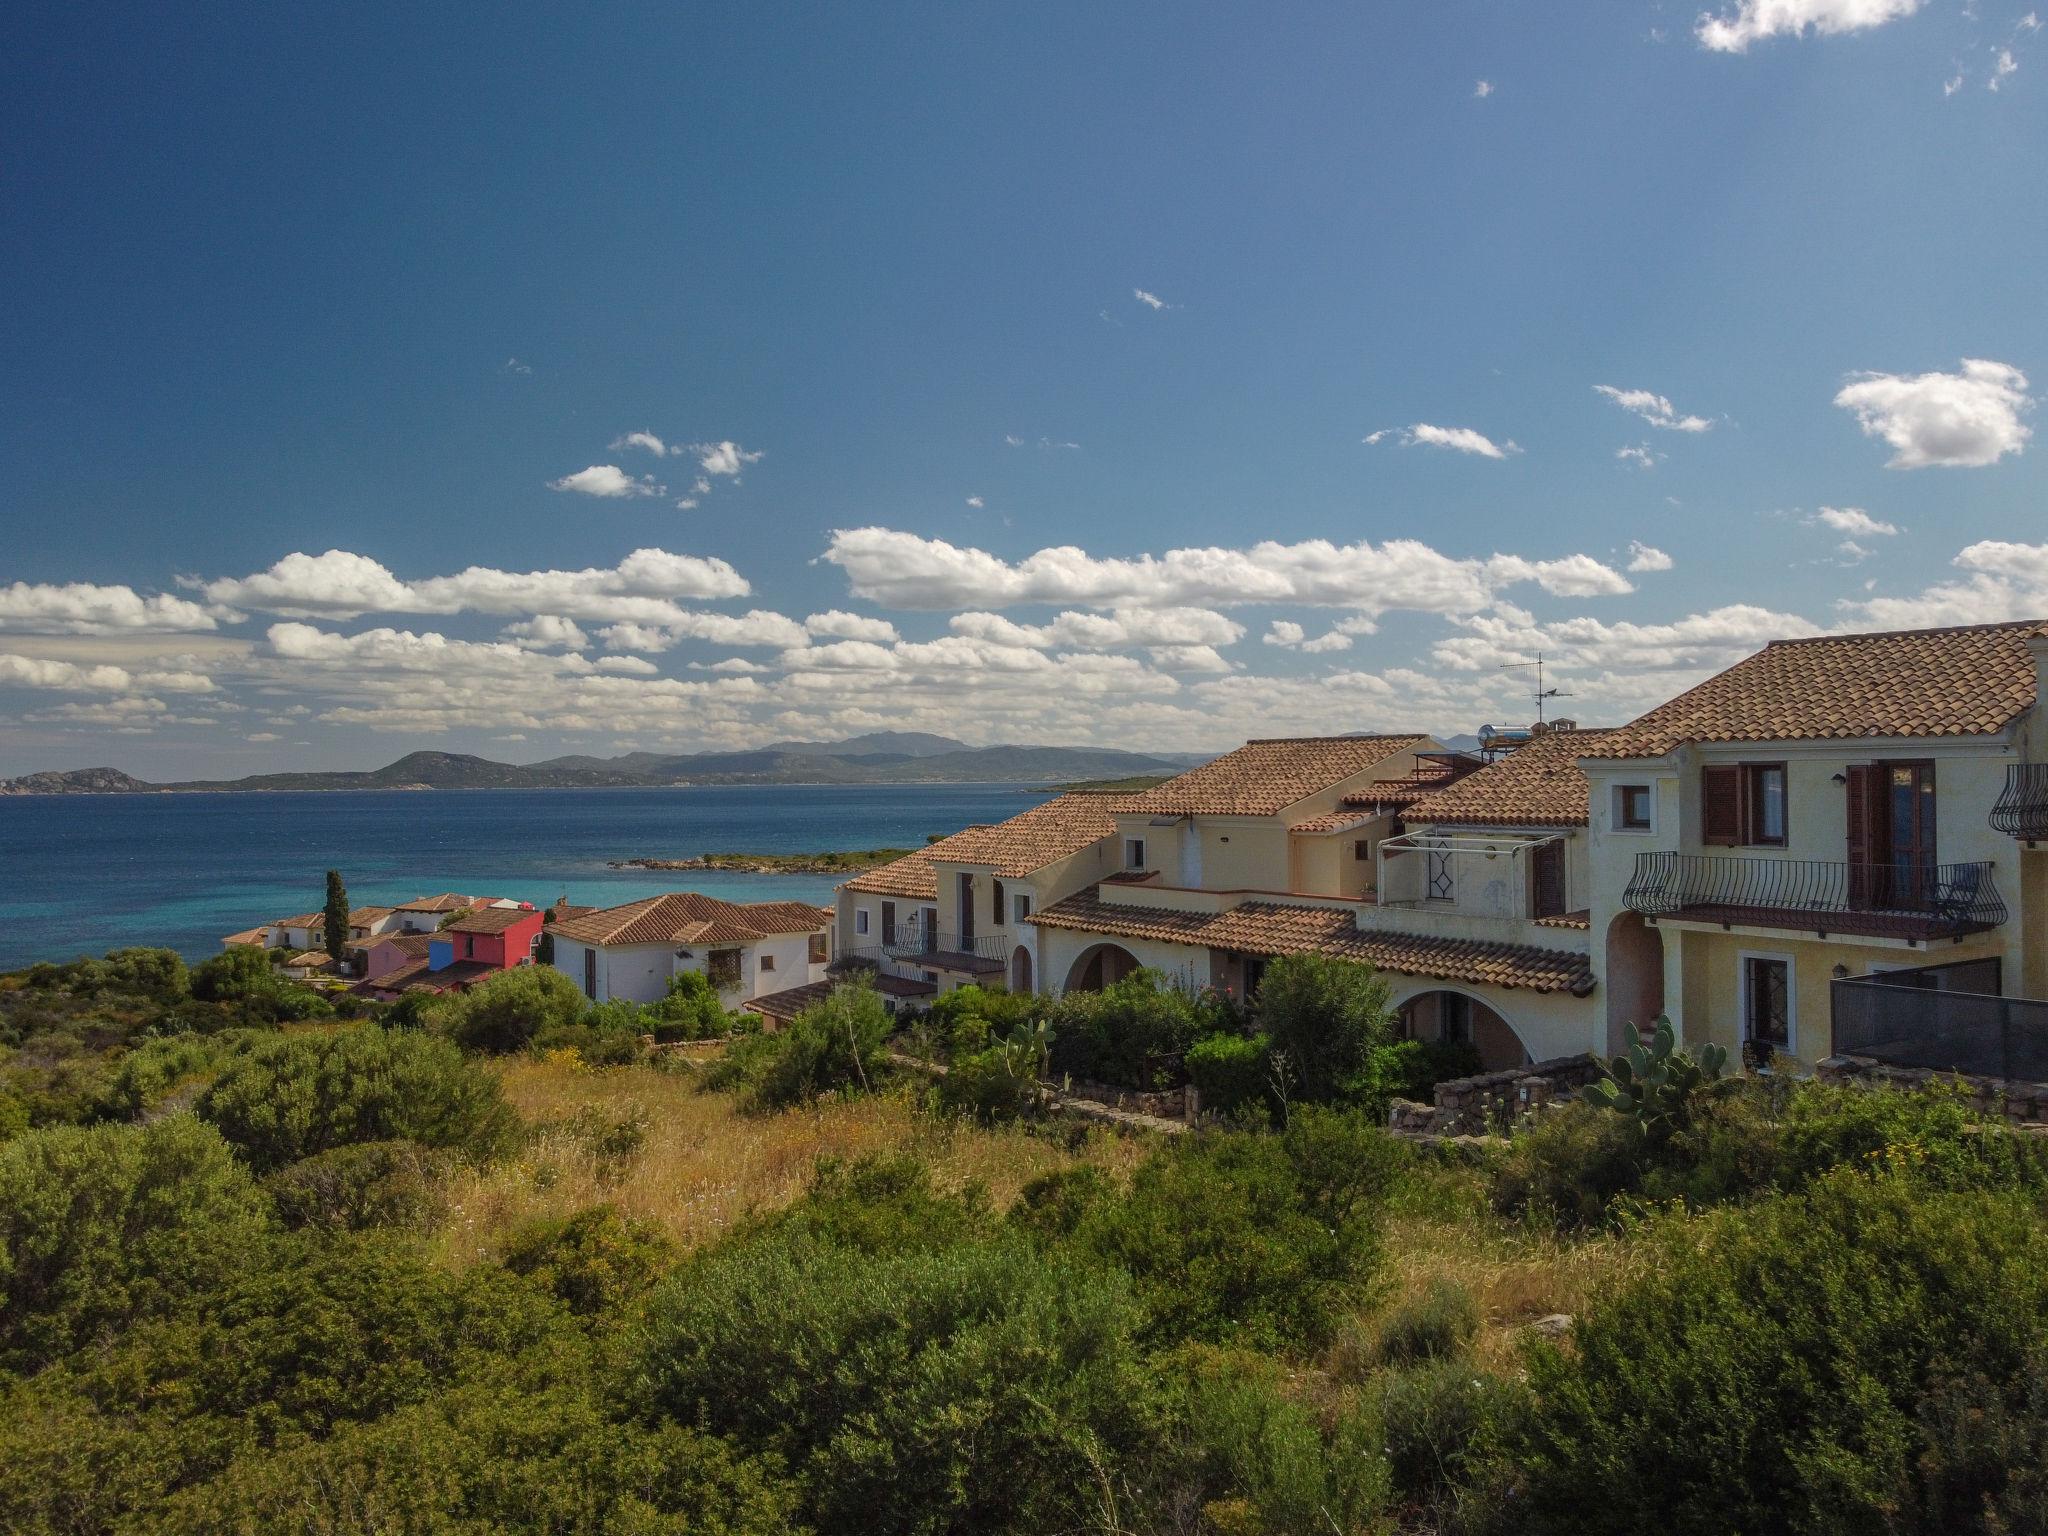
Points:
(500, 937)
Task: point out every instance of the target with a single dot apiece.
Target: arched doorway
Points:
(1099, 966)
(1020, 970)
(1634, 978)
(1458, 1016)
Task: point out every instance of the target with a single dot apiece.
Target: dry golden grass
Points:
(705, 1167)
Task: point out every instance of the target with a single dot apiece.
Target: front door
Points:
(966, 903)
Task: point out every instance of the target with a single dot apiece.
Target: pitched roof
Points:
(248, 936)
(414, 944)
(792, 1001)
(416, 977)
(1045, 834)
(686, 917)
(447, 901)
(1336, 821)
(911, 877)
(303, 920)
(362, 917)
(1265, 776)
(490, 919)
(1536, 785)
(1269, 928)
(1962, 681)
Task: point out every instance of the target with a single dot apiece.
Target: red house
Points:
(498, 937)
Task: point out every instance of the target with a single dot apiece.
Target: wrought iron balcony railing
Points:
(2022, 807)
(939, 951)
(1893, 900)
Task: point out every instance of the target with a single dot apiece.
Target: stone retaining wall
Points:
(1492, 1101)
(1161, 1104)
(2019, 1102)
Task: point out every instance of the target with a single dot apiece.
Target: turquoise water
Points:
(87, 873)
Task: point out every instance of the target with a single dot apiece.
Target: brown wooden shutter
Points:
(1721, 806)
(1547, 876)
(996, 907)
(1864, 837)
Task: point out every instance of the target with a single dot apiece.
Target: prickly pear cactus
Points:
(1656, 1084)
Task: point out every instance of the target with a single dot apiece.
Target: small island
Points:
(775, 863)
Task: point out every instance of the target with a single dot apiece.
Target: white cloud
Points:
(1755, 20)
(1640, 454)
(646, 440)
(976, 501)
(608, 481)
(723, 458)
(1853, 521)
(642, 588)
(1654, 408)
(2001, 580)
(1283, 632)
(1965, 419)
(1952, 84)
(81, 608)
(1644, 558)
(838, 624)
(1457, 439)
(1483, 89)
(637, 637)
(1149, 300)
(62, 676)
(546, 632)
(637, 666)
(1117, 630)
(755, 627)
(1188, 658)
(2002, 64)
(906, 571)
(513, 365)
(1335, 640)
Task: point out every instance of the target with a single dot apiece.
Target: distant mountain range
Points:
(883, 757)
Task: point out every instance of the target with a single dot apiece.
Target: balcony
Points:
(1917, 1019)
(1879, 901)
(2022, 808)
(959, 954)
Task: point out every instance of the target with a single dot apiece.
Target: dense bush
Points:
(1411, 1069)
(1132, 1033)
(1799, 1365)
(832, 1045)
(980, 1386)
(1435, 1325)
(506, 1011)
(594, 1261)
(1569, 1166)
(105, 1225)
(354, 1188)
(1325, 1016)
(968, 1020)
(690, 1010)
(1441, 1422)
(293, 1096)
(1230, 1072)
(1259, 1241)
(994, 1086)
(1934, 1135)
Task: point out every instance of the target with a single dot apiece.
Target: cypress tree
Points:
(336, 916)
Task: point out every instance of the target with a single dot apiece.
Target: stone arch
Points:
(1098, 966)
(1020, 969)
(1634, 977)
(1424, 1014)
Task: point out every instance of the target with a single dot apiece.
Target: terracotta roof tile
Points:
(414, 944)
(248, 936)
(362, 917)
(303, 920)
(1263, 777)
(1043, 835)
(1267, 928)
(1582, 919)
(1336, 821)
(688, 917)
(792, 1001)
(1537, 785)
(911, 877)
(1966, 681)
(447, 901)
(490, 919)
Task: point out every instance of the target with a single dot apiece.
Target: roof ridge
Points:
(1363, 736)
(1889, 634)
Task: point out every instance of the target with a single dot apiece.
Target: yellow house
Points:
(1819, 814)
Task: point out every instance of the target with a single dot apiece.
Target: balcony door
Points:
(966, 904)
(1891, 836)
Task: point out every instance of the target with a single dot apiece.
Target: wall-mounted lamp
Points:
(1840, 972)
(1841, 778)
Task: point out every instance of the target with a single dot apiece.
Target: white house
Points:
(632, 952)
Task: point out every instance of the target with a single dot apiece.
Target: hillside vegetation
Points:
(491, 1264)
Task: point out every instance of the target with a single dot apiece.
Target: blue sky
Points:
(401, 285)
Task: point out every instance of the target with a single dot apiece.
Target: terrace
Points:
(1910, 902)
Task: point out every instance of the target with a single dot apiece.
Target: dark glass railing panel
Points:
(1892, 1020)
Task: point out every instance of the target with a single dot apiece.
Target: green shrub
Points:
(291, 1097)
(1436, 1325)
(1777, 1367)
(968, 1020)
(1132, 1033)
(1569, 1166)
(1255, 1240)
(233, 974)
(1230, 1072)
(1052, 1206)
(157, 974)
(354, 1188)
(1441, 1422)
(884, 1203)
(601, 1037)
(505, 1012)
(690, 1011)
(594, 1261)
(1411, 1069)
(832, 1045)
(979, 1386)
(612, 1135)
(157, 1072)
(994, 1086)
(1934, 1135)
(1325, 1016)
(104, 1225)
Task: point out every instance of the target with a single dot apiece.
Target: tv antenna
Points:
(1542, 692)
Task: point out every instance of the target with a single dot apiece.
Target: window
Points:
(1767, 1008)
(767, 962)
(1454, 1018)
(818, 953)
(1632, 807)
(590, 974)
(1134, 853)
(995, 907)
(1020, 906)
(1743, 804)
(1442, 886)
(722, 970)
(1362, 849)
(860, 920)
(888, 922)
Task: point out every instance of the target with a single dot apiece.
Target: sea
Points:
(83, 874)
